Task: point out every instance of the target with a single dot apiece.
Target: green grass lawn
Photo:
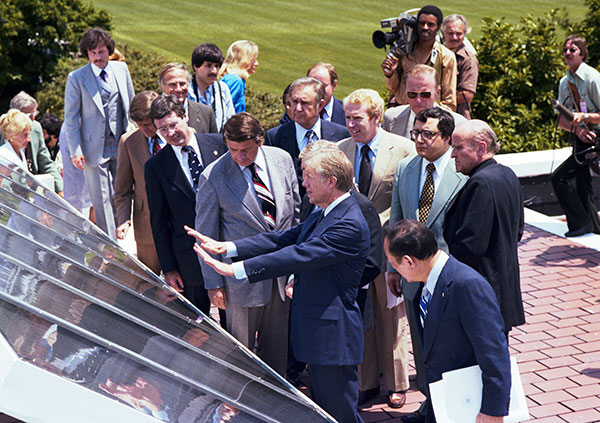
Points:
(292, 35)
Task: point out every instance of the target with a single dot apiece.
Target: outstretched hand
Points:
(207, 243)
(221, 268)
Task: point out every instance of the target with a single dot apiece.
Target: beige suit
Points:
(388, 341)
(130, 185)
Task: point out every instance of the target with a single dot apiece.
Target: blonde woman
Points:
(240, 63)
(15, 127)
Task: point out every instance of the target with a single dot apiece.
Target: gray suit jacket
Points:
(227, 209)
(396, 119)
(202, 118)
(84, 114)
(405, 198)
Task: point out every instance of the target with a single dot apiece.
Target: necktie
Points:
(310, 136)
(105, 89)
(365, 172)
(323, 114)
(264, 195)
(155, 145)
(423, 304)
(194, 164)
(426, 195)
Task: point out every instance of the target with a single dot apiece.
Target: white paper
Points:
(392, 300)
(456, 398)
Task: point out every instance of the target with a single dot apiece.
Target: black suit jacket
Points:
(172, 203)
(284, 136)
(483, 227)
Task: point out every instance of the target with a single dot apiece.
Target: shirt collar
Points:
(440, 164)
(301, 131)
(435, 272)
(97, 70)
(329, 108)
(260, 161)
(373, 144)
(335, 203)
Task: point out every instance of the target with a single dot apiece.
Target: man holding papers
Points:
(461, 324)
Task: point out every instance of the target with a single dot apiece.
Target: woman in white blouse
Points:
(15, 127)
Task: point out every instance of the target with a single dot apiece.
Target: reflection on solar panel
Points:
(90, 334)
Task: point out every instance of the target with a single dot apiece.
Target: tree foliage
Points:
(36, 34)
(520, 67)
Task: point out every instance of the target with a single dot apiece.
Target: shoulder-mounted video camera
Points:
(402, 36)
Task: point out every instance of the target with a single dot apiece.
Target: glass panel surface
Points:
(73, 303)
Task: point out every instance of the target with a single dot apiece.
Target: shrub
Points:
(520, 67)
(35, 35)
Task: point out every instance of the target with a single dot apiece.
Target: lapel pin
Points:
(216, 153)
(443, 294)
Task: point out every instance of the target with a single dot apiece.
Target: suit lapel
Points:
(91, 85)
(173, 172)
(447, 187)
(239, 187)
(436, 307)
(275, 172)
(382, 163)
(413, 175)
(402, 122)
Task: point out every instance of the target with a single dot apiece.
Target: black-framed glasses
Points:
(414, 94)
(425, 134)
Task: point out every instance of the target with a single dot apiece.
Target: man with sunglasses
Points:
(171, 181)
(579, 91)
(424, 186)
(422, 92)
(428, 51)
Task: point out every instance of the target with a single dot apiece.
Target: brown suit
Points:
(389, 337)
(130, 185)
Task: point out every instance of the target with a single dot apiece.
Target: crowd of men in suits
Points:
(281, 230)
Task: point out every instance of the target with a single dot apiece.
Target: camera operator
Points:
(425, 51)
(579, 91)
(454, 28)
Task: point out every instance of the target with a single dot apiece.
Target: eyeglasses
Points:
(32, 115)
(414, 94)
(570, 50)
(426, 135)
(170, 127)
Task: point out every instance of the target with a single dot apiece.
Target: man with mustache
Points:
(426, 51)
(205, 89)
(97, 98)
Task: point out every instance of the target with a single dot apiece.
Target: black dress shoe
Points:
(415, 417)
(366, 395)
(581, 231)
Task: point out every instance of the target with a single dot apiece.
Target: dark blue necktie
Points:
(423, 304)
(194, 165)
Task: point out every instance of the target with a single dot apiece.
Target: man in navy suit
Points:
(461, 324)
(333, 111)
(327, 254)
(171, 181)
(307, 100)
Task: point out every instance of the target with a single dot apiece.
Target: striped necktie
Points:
(155, 145)
(423, 304)
(264, 195)
(310, 136)
(105, 88)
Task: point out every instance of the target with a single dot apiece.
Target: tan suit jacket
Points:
(392, 148)
(130, 185)
(396, 119)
